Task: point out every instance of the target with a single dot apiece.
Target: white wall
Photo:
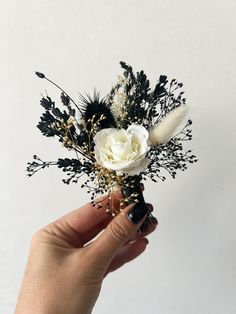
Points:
(189, 266)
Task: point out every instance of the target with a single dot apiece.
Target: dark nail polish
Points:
(150, 206)
(138, 212)
(154, 220)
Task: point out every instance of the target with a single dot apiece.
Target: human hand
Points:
(65, 269)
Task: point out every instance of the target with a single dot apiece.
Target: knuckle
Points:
(39, 236)
(118, 231)
(36, 237)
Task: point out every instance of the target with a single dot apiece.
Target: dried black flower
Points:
(95, 109)
(47, 103)
(40, 75)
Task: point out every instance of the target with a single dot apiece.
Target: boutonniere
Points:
(132, 134)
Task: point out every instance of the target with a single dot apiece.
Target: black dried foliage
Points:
(144, 105)
(170, 157)
(54, 122)
(74, 169)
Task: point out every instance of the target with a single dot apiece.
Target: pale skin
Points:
(66, 265)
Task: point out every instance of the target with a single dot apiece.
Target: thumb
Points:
(118, 232)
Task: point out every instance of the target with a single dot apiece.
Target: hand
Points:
(65, 269)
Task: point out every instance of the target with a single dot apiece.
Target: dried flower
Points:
(40, 75)
(123, 151)
(164, 130)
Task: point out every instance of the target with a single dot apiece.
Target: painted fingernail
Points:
(154, 220)
(137, 213)
(150, 206)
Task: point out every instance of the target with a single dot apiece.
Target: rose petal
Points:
(142, 165)
(138, 129)
(116, 166)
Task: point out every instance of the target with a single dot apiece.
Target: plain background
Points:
(189, 266)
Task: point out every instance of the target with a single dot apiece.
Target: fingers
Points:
(82, 224)
(117, 233)
(138, 235)
(97, 228)
(127, 253)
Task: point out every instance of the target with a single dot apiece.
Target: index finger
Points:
(83, 224)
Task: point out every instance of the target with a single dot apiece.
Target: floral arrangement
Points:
(128, 136)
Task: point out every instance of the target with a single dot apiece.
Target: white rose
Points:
(122, 150)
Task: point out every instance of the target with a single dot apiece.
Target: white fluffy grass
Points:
(164, 130)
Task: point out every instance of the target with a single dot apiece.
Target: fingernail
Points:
(150, 207)
(155, 221)
(137, 213)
